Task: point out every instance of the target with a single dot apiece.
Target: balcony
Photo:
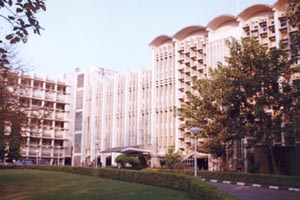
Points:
(187, 138)
(59, 134)
(187, 62)
(194, 73)
(60, 115)
(181, 86)
(24, 152)
(59, 152)
(25, 92)
(263, 34)
(293, 29)
(48, 133)
(38, 94)
(50, 95)
(35, 134)
(272, 37)
(181, 77)
(246, 27)
(46, 152)
(180, 68)
(181, 49)
(61, 97)
(200, 46)
(283, 25)
(181, 135)
(187, 71)
(33, 151)
(283, 29)
(181, 96)
(181, 59)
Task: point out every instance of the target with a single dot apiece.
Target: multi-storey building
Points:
(136, 110)
(111, 110)
(47, 134)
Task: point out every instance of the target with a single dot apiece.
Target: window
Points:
(283, 23)
(78, 121)
(80, 81)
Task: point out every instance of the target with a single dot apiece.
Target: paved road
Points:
(252, 193)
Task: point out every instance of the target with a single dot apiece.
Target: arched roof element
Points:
(218, 21)
(280, 4)
(183, 33)
(159, 40)
(252, 10)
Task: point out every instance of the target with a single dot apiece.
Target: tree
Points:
(123, 159)
(13, 115)
(172, 157)
(20, 18)
(263, 97)
(205, 110)
(293, 15)
(250, 97)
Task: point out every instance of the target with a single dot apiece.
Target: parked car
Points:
(27, 162)
(43, 162)
(19, 162)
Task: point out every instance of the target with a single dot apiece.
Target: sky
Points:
(114, 34)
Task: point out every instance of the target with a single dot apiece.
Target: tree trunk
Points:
(2, 140)
(271, 153)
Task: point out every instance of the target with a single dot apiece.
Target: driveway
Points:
(253, 193)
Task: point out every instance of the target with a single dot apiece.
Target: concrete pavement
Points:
(254, 193)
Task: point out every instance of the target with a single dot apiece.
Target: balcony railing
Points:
(38, 93)
(59, 134)
(60, 115)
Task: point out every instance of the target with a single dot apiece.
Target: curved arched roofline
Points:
(159, 40)
(218, 21)
(280, 4)
(252, 10)
(183, 33)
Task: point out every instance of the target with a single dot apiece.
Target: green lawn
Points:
(18, 184)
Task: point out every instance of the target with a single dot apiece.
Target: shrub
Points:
(123, 159)
(263, 179)
(172, 157)
(179, 166)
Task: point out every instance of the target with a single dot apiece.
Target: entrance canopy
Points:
(198, 155)
(128, 150)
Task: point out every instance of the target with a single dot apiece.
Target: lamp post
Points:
(37, 156)
(58, 152)
(96, 151)
(195, 131)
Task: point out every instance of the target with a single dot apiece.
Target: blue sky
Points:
(114, 34)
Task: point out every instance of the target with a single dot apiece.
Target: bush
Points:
(263, 179)
(172, 157)
(123, 159)
(179, 166)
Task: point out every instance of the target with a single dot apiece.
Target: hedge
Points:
(196, 188)
(263, 179)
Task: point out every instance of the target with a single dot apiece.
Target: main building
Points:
(135, 111)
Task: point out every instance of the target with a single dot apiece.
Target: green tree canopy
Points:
(172, 157)
(123, 159)
(19, 18)
(251, 96)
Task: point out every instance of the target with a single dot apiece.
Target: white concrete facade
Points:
(138, 108)
(47, 134)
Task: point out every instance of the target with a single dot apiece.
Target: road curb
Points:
(272, 187)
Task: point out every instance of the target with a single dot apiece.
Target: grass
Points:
(21, 184)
